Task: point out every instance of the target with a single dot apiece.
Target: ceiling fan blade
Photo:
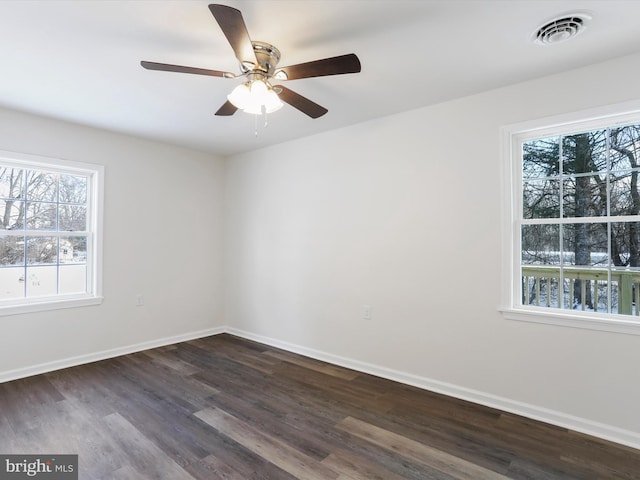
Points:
(301, 103)
(319, 68)
(234, 28)
(227, 109)
(165, 67)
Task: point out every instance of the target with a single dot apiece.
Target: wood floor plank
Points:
(313, 433)
(268, 447)
(445, 462)
(251, 358)
(124, 473)
(314, 365)
(8, 439)
(358, 468)
(469, 442)
(25, 401)
(181, 388)
(260, 415)
(295, 417)
(167, 359)
(521, 469)
(143, 454)
(337, 389)
(67, 430)
(172, 427)
(85, 387)
(217, 469)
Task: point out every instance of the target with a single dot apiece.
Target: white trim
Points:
(508, 259)
(52, 303)
(105, 354)
(97, 220)
(561, 419)
(51, 164)
(617, 114)
(609, 115)
(584, 320)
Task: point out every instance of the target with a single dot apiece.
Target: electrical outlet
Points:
(139, 300)
(366, 312)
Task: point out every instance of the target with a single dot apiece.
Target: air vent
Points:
(561, 29)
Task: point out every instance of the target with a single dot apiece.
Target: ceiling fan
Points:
(258, 63)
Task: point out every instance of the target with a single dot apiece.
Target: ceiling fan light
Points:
(240, 96)
(261, 99)
(258, 88)
(272, 101)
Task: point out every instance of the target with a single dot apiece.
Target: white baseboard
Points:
(105, 354)
(578, 424)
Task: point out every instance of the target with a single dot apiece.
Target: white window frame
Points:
(512, 137)
(95, 174)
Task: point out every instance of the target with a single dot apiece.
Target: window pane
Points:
(541, 158)
(585, 196)
(73, 189)
(591, 286)
(42, 186)
(11, 282)
(625, 193)
(11, 182)
(625, 244)
(541, 199)
(586, 257)
(625, 291)
(41, 281)
(540, 244)
(625, 255)
(625, 147)
(42, 250)
(11, 215)
(41, 216)
(585, 244)
(540, 265)
(11, 250)
(73, 250)
(73, 279)
(73, 218)
(584, 152)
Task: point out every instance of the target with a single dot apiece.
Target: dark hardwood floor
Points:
(227, 408)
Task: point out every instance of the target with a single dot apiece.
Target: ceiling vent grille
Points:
(561, 29)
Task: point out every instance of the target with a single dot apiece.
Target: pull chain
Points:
(255, 125)
(255, 121)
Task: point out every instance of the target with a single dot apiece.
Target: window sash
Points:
(513, 139)
(92, 231)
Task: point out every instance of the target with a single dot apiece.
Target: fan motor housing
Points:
(267, 56)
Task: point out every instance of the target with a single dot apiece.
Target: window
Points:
(50, 213)
(575, 223)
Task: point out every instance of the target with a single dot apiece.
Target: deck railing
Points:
(542, 287)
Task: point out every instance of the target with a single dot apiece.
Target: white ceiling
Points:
(79, 60)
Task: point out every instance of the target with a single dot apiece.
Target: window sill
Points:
(46, 305)
(584, 320)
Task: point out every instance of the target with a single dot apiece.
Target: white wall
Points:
(403, 214)
(162, 239)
